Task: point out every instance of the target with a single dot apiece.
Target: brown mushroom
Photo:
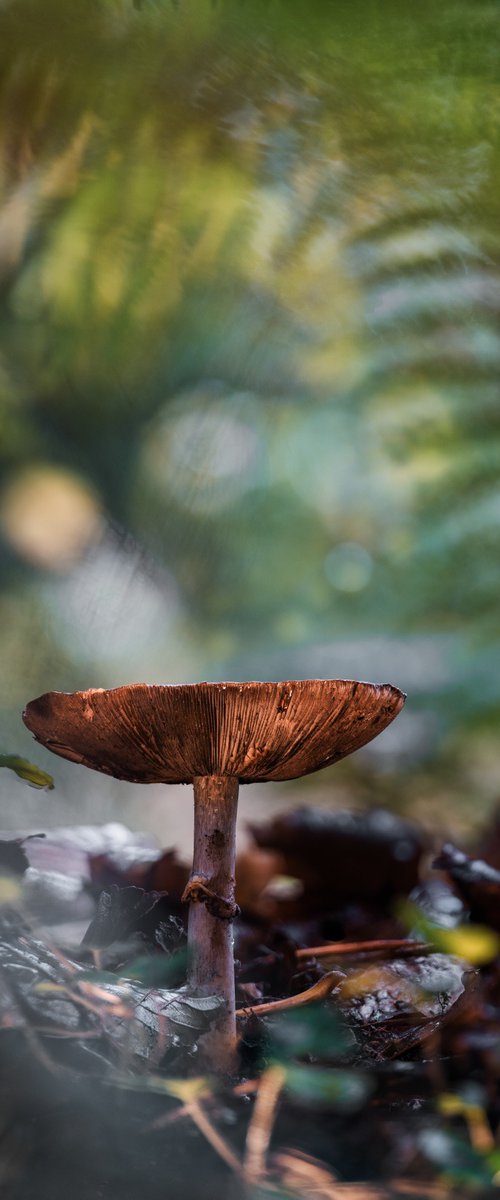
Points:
(215, 736)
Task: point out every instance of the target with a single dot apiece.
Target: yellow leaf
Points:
(10, 890)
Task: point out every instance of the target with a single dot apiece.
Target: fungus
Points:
(215, 736)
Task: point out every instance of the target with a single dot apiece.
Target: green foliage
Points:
(316, 1030)
(342, 1091)
(158, 970)
(249, 290)
(456, 1159)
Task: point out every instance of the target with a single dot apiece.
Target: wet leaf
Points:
(27, 771)
(425, 987)
(439, 903)
(119, 912)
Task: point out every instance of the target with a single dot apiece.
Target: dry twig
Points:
(318, 991)
(386, 946)
(261, 1125)
(212, 1135)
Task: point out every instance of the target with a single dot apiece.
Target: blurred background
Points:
(250, 350)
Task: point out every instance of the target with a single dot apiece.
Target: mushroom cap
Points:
(253, 731)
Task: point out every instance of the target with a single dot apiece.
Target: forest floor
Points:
(368, 993)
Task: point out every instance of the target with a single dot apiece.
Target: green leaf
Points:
(92, 976)
(157, 970)
(327, 1087)
(26, 770)
(455, 1157)
(317, 1030)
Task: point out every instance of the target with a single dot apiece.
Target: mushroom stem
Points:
(210, 891)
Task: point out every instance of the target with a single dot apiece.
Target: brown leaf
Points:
(395, 1005)
(344, 857)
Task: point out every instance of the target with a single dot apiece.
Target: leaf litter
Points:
(368, 1015)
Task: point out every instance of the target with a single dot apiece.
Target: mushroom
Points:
(215, 736)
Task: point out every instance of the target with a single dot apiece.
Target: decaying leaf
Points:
(397, 1004)
(342, 857)
(40, 987)
(377, 1048)
(118, 912)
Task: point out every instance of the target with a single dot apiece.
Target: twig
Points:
(240, 1089)
(55, 1032)
(261, 1125)
(318, 991)
(170, 1118)
(305, 1176)
(212, 1135)
(246, 1088)
(379, 946)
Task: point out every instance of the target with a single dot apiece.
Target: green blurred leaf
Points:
(92, 976)
(27, 771)
(344, 303)
(327, 1087)
(317, 1030)
(157, 970)
(150, 970)
(455, 1157)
